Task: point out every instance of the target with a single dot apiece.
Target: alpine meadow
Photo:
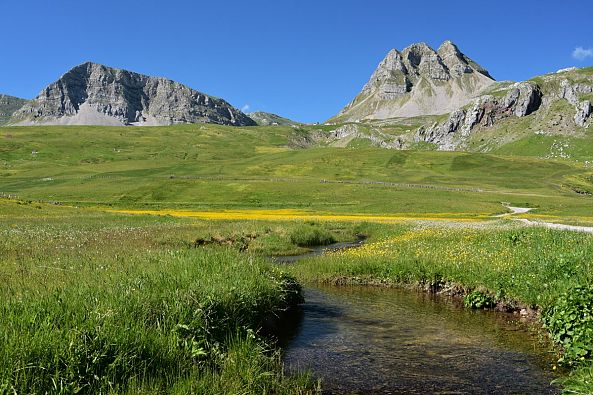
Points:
(435, 235)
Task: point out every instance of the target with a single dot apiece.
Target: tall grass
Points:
(98, 320)
(311, 234)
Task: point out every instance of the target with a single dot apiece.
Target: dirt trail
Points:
(524, 210)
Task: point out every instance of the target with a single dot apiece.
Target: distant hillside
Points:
(555, 104)
(269, 119)
(533, 117)
(93, 94)
(418, 81)
(8, 105)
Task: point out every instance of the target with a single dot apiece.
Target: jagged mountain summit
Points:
(418, 81)
(8, 105)
(93, 94)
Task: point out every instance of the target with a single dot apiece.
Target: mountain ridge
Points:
(95, 94)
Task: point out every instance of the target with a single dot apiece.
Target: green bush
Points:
(309, 235)
(570, 323)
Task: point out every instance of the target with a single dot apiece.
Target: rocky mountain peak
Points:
(94, 94)
(449, 49)
(418, 81)
(422, 60)
(393, 62)
(457, 63)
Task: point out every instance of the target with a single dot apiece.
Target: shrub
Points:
(478, 300)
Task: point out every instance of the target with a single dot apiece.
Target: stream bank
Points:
(385, 340)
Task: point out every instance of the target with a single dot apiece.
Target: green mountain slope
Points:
(269, 119)
(8, 105)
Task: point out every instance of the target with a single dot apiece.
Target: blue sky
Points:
(304, 59)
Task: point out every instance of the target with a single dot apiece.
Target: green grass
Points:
(212, 167)
(103, 303)
(309, 235)
(153, 304)
(533, 265)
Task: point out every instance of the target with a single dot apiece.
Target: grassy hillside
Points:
(205, 167)
(269, 119)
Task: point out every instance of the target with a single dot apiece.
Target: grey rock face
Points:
(95, 94)
(476, 113)
(568, 92)
(420, 59)
(390, 79)
(583, 112)
(457, 63)
(443, 135)
(521, 100)
(524, 99)
(418, 81)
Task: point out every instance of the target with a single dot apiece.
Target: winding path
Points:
(524, 210)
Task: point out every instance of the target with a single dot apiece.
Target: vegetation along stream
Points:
(384, 341)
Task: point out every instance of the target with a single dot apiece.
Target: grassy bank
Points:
(99, 303)
(539, 268)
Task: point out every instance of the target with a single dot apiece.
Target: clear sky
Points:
(304, 59)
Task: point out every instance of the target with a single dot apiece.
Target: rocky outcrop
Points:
(521, 100)
(418, 81)
(443, 135)
(343, 135)
(570, 92)
(583, 112)
(93, 94)
(8, 105)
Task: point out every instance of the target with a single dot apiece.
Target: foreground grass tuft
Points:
(159, 319)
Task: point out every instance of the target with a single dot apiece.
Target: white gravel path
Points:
(523, 210)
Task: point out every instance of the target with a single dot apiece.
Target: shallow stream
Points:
(372, 340)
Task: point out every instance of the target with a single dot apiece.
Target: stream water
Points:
(372, 340)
